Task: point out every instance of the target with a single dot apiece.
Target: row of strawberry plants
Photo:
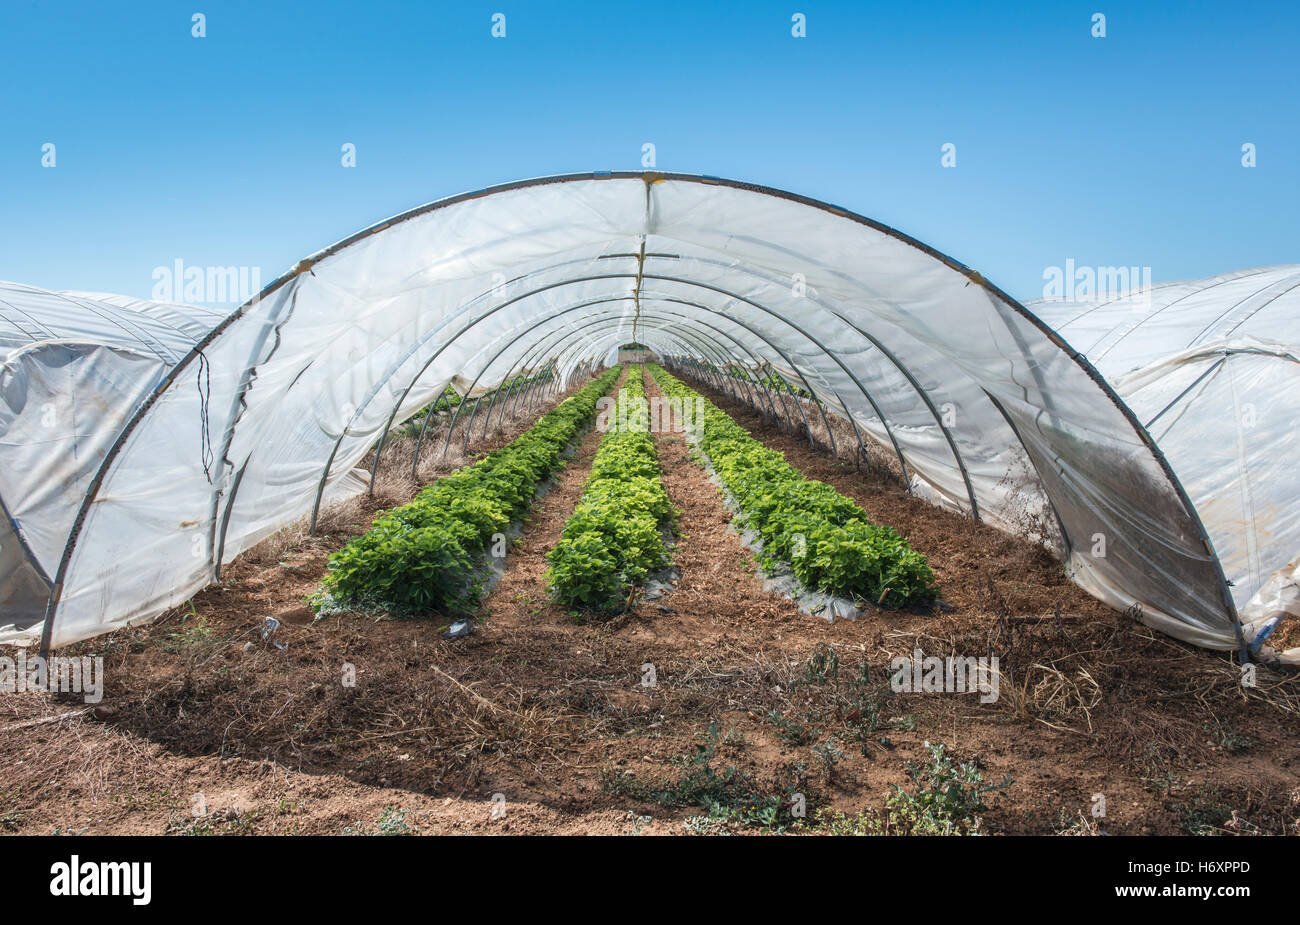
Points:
(450, 398)
(827, 539)
(613, 541)
(428, 554)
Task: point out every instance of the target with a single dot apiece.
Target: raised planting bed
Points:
(614, 540)
(427, 555)
(824, 536)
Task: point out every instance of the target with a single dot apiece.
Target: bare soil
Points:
(545, 721)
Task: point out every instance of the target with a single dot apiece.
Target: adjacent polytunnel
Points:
(1211, 367)
(985, 409)
(74, 367)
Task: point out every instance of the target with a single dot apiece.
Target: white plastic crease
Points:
(919, 350)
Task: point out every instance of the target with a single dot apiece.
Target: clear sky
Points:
(225, 150)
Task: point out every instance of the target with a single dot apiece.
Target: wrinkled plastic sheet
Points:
(1212, 368)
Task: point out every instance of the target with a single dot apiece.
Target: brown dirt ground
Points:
(548, 708)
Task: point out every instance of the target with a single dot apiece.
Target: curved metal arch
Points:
(723, 353)
(648, 177)
(755, 333)
(721, 350)
(416, 378)
(720, 386)
(505, 383)
(757, 383)
(684, 335)
(1119, 298)
(522, 393)
(663, 334)
(217, 545)
(903, 369)
(458, 313)
(127, 320)
(722, 381)
(49, 335)
(533, 355)
(588, 303)
(548, 268)
(736, 321)
(1250, 314)
(898, 450)
(781, 353)
(1111, 301)
(487, 415)
(551, 362)
(599, 320)
(468, 305)
(637, 277)
(488, 366)
(749, 386)
(375, 389)
(535, 351)
(452, 426)
(934, 412)
(1148, 316)
(159, 320)
(140, 336)
(706, 344)
(379, 385)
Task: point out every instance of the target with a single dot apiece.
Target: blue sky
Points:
(225, 150)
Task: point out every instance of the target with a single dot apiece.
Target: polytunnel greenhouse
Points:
(188, 437)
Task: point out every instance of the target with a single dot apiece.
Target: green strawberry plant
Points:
(427, 555)
(825, 537)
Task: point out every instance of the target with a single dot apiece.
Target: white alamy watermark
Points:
(658, 415)
(1074, 283)
(954, 674)
(204, 284)
(76, 877)
(60, 674)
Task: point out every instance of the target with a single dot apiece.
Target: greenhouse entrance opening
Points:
(226, 428)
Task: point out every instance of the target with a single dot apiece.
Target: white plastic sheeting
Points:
(1212, 369)
(987, 410)
(163, 330)
(73, 368)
